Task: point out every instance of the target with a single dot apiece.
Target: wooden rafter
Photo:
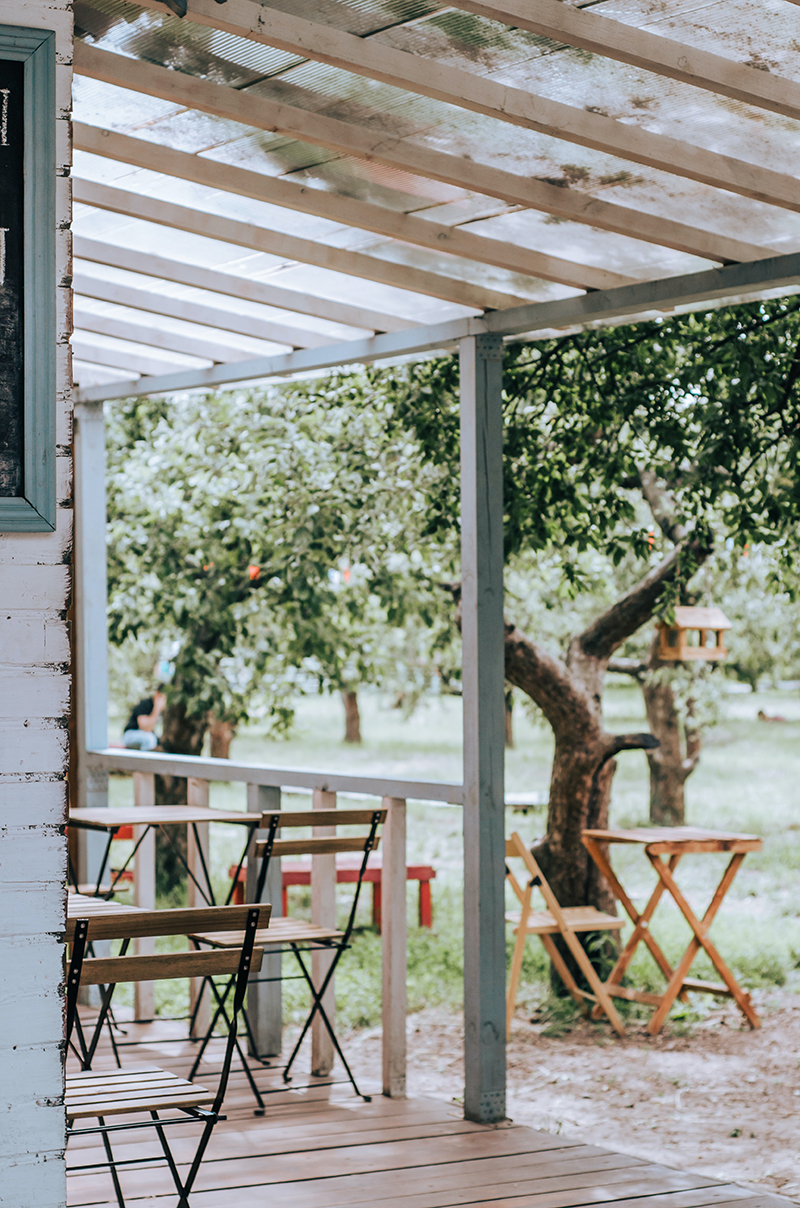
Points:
(479, 94)
(378, 146)
(290, 247)
(230, 284)
(194, 312)
(133, 358)
(350, 211)
(199, 345)
(591, 30)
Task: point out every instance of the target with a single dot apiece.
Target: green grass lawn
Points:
(748, 780)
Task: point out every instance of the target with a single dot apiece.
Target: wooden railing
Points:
(264, 787)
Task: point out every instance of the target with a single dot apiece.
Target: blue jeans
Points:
(140, 740)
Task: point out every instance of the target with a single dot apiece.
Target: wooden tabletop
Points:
(82, 906)
(110, 818)
(678, 839)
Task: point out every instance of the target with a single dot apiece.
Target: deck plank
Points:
(321, 1147)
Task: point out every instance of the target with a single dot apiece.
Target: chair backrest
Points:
(535, 879)
(276, 821)
(110, 971)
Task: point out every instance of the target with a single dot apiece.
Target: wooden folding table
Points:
(110, 819)
(673, 842)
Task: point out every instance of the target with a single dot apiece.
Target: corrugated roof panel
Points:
(180, 44)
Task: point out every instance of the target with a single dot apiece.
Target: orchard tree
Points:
(266, 533)
(629, 441)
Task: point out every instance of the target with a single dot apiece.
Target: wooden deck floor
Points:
(323, 1148)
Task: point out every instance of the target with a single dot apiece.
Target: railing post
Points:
(323, 912)
(197, 796)
(144, 887)
(394, 938)
(484, 727)
(264, 1005)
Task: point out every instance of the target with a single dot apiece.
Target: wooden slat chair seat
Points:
(149, 1091)
(564, 921)
(298, 936)
(577, 918)
(118, 1092)
(280, 931)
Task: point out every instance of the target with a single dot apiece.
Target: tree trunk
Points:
(509, 699)
(220, 736)
(678, 754)
(181, 735)
(352, 717)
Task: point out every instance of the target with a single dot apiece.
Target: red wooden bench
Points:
(299, 873)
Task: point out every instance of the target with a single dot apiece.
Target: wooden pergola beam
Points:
(230, 284)
(87, 322)
(194, 312)
(642, 300)
(133, 359)
(591, 30)
(380, 147)
(290, 247)
(347, 210)
(376, 61)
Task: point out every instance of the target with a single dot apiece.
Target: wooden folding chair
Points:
(296, 935)
(565, 921)
(150, 1091)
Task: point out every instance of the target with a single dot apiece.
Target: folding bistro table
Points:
(111, 819)
(673, 842)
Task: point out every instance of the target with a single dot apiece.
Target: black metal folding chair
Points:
(296, 935)
(151, 1091)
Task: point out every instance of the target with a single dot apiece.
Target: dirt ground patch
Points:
(722, 1101)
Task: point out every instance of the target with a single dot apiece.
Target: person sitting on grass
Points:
(140, 732)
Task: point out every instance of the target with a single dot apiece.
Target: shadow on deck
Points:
(321, 1147)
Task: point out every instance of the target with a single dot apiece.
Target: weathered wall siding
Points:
(34, 701)
(29, 639)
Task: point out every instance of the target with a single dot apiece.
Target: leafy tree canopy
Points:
(271, 533)
(707, 403)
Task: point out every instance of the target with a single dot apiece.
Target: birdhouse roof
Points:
(687, 617)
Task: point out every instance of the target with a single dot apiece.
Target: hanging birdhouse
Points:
(698, 633)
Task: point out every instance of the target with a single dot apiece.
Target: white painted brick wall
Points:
(34, 701)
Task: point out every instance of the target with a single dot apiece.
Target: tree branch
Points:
(626, 615)
(662, 504)
(634, 667)
(546, 679)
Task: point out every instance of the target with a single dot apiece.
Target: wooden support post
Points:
(197, 796)
(91, 630)
(323, 912)
(264, 1006)
(394, 938)
(144, 887)
(484, 726)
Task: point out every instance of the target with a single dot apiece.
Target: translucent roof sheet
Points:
(341, 249)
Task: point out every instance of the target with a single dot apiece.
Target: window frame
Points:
(35, 510)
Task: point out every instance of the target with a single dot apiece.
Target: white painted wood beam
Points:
(194, 312)
(733, 282)
(91, 625)
(503, 102)
(380, 147)
(131, 358)
(347, 210)
(230, 284)
(591, 30)
(88, 322)
(483, 661)
(205, 768)
(290, 247)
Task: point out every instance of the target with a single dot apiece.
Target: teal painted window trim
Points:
(35, 510)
